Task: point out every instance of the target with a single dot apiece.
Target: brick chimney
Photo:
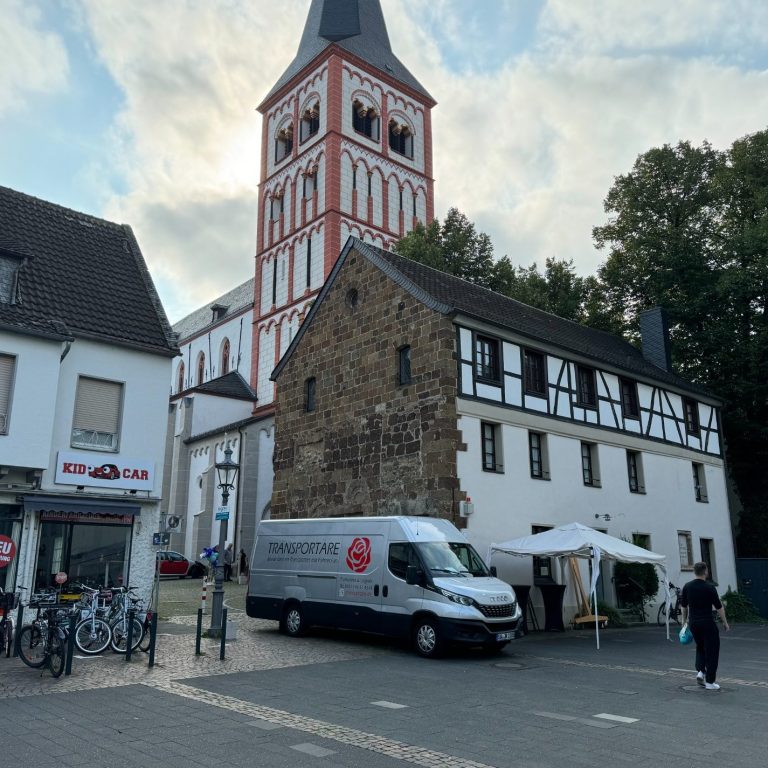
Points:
(654, 334)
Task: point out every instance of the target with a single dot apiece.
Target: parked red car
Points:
(173, 564)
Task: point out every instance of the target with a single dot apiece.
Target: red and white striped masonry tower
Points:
(346, 149)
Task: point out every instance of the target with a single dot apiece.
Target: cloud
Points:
(31, 60)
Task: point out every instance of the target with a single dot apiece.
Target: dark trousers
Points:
(707, 637)
(227, 572)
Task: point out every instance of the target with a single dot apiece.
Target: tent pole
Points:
(596, 565)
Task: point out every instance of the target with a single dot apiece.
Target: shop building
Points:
(85, 358)
(410, 391)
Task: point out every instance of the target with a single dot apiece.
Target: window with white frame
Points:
(635, 472)
(685, 546)
(537, 455)
(586, 395)
(98, 406)
(487, 364)
(535, 374)
(7, 371)
(691, 411)
(590, 470)
(629, 403)
(491, 447)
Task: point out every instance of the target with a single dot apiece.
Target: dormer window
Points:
(9, 274)
(219, 311)
(365, 119)
(310, 122)
(400, 138)
(284, 143)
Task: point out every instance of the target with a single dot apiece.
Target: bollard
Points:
(223, 633)
(19, 617)
(128, 649)
(70, 645)
(204, 595)
(199, 631)
(152, 638)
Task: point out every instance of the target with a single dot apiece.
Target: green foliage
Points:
(457, 248)
(688, 230)
(739, 608)
(636, 583)
(613, 616)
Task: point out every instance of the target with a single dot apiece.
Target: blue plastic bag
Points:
(686, 636)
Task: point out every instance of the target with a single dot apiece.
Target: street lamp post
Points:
(226, 472)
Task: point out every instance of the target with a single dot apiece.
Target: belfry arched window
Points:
(225, 357)
(365, 119)
(200, 368)
(310, 122)
(180, 377)
(400, 138)
(284, 142)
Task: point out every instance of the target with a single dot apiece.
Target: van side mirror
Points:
(411, 575)
(493, 570)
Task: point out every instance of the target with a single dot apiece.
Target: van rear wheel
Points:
(426, 638)
(293, 621)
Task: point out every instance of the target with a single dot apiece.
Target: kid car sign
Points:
(105, 470)
(7, 551)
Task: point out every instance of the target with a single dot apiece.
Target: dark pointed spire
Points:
(355, 25)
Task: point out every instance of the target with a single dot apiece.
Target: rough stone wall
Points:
(371, 447)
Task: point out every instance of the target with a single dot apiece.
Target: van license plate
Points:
(504, 636)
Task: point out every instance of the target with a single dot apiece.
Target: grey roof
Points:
(357, 26)
(451, 295)
(79, 277)
(236, 300)
(231, 384)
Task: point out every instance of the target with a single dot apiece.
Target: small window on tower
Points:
(284, 143)
(310, 122)
(365, 119)
(400, 138)
(310, 387)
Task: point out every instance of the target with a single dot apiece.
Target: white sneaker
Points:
(700, 678)
(712, 686)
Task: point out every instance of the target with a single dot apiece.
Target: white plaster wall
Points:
(212, 412)
(508, 504)
(199, 464)
(265, 477)
(145, 403)
(33, 400)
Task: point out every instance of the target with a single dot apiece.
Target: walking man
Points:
(228, 556)
(698, 599)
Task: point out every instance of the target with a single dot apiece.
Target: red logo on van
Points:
(359, 555)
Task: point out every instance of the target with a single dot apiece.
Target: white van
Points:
(413, 577)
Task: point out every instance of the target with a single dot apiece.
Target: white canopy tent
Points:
(577, 540)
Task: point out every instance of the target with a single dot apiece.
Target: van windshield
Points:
(456, 559)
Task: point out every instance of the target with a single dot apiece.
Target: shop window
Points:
(629, 404)
(365, 119)
(487, 365)
(400, 138)
(284, 143)
(542, 566)
(310, 122)
(586, 395)
(699, 482)
(7, 373)
(491, 447)
(538, 455)
(535, 373)
(685, 546)
(635, 472)
(691, 410)
(404, 365)
(225, 357)
(96, 420)
(310, 394)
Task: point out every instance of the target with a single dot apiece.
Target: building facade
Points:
(346, 149)
(409, 390)
(85, 354)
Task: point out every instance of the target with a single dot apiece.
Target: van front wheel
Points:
(426, 638)
(293, 621)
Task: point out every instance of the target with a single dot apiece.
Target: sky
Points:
(143, 112)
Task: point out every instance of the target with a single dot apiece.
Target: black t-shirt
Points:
(699, 597)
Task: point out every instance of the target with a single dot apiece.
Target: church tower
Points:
(346, 149)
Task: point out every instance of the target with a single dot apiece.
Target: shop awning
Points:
(69, 505)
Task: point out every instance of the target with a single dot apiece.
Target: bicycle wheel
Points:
(57, 653)
(661, 618)
(119, 640)
(145, 638)
(92, 636)
(9, 638)
(31, 646)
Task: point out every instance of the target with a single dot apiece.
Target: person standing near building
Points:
(228, 558)
(698, 599)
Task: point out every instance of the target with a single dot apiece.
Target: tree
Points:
(456, 247)
(688, 230)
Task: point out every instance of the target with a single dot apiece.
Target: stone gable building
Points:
(407, 390)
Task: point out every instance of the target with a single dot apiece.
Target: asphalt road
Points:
(547, 700)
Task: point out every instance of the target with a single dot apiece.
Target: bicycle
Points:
(44, 641)
(118, 620)
(92, 633)
(674, 608)
(7, 604)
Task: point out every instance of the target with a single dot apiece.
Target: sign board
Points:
(7, 551)
(161, 539)
(222, 513)
(104, 470)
